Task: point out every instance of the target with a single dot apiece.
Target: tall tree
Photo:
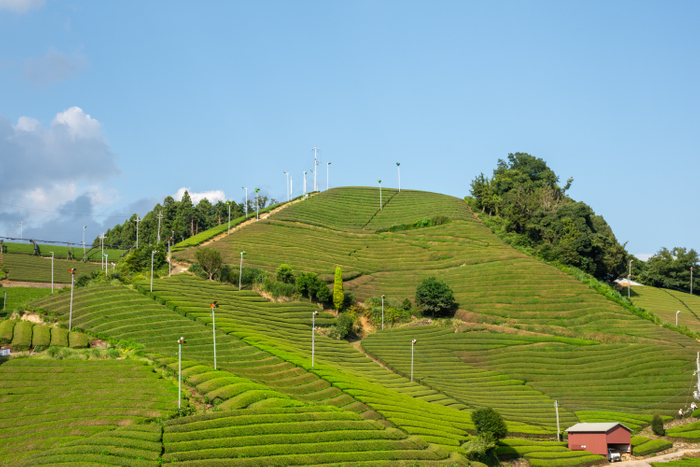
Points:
(338, 295)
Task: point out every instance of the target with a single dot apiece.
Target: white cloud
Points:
(213, 196)
(54, 67)
(20, 6)
(43, 169)
(644, 256)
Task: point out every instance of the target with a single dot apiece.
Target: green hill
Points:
(666, 302)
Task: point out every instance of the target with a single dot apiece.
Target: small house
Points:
(598, 437)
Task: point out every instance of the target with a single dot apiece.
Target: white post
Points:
(382, 312)
(84, 227)
(213, 324)
(313, 337)
(556, 408)
(246, 201)
(677, 313)
(179, 373)
(697, 368)
(107, 266)
(137, 231)
(691, 281)
(70, 313)
(229, 216)
(102, 243)
(304, 183)
(629, 280)
(240, 271)
(380, 194)
(159, 216)
(153, 253)
(257, 205)
(398, 166)
(413, 342)
(287, 173)
(328, 164)
(315, 150)
(51, 271)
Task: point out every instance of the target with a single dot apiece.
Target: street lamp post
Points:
(313, 337)
(380, 194)
(257, 204)
(327, 165)
(107, 264)
(159, 216)
(153, 253)
(287, 174)
(315, 150)
(137, 230)
(72, 286)
(413, 342)
(51, 270)
(240, 271)
(179, 372)
(102, 243)
(246, 201)
(214, 306)
(629, 279)
(170, 257)
(677, 313)
(304, 183)
(229, 216)
(691, 281)
(398, 166)
(382, 312)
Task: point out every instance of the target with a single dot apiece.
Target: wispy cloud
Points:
(54, 67)
(212, 196)
(21, 6)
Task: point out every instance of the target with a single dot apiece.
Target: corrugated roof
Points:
(594, 427)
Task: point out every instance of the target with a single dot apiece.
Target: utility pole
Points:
(398, 166)
(556, 408)
(137, 230)
(315, 150)
(246, 201)
(287, 174)
(214, 306)
(179, 373)
(313, 337)
(159, 216)
(327, 165)
(629, 279)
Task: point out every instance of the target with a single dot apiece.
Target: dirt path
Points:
(252, 220)
(38, 285)
(662, 458)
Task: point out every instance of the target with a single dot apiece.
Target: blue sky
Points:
(107, 107)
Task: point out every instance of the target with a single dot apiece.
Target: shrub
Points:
(344, 325)
(489, 423)
(338, 295)
(657, 425)
(285, 274)
(309, 285)
(435, 296)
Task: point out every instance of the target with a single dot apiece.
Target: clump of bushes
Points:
(490, 427)
(657, 425)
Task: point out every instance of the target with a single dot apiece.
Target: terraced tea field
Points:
(61, 252)
(666, 302)
(19, 296)
(28, 268)
(294, 436)
(48, 403)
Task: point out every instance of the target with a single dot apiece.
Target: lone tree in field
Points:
(489, 424)
(338, 295)
(285, 274)
(435, 296)
(657, 425)
(209, 260)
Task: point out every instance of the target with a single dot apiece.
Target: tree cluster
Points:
(669, 269)
(183, 217)
(310, 286)
(531, 210)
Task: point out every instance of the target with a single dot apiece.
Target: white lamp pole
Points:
(382, 312)
(159, 216)
(691, 281)
(629, 279)
(72, 285)
(137, 230)
(315, 150)
(398, 166)
(214, 306)
(304, 183)
(380, 194)
(246, 201)
(84, 227)
(328, 164)
(102, 243)
(287, 174)
(240, 271)
(179, 373)
(106, 265)
(313, 337)
(677, 313)
(413, 342)
(153, 253)
(51, 271)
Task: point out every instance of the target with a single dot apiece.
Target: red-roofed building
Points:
(599, 437)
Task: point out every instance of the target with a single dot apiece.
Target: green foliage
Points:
(139, 259)
(249, 277)
(6, 331)
(435, 296)
(489, 424)
(38, 269)
(482, 449)
(209, 260)
(285, 274)
(310, 286)
(344, 325)
(651, 446)
(338, 295)
(657, 425)
(670, 269)
(533, 212)
(419, 224)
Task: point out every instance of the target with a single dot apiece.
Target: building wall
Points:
(591, 442)
(619, 436)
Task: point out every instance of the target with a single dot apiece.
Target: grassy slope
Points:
(632, 363)
(61, 252)
(38, 269)
(665, 302)
(47, 403)
(19, 296)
